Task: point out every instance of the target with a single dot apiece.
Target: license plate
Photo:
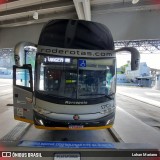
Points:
(75, 126)
(67, 156)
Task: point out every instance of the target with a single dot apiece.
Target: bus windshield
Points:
(77, 78)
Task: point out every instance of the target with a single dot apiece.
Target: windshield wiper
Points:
(94, 94)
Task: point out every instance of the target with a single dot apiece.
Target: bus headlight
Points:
(41, 122)
(38, 121)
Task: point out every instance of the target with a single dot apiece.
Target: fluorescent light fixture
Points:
(135, 1)
(35, 15)
(83, 9)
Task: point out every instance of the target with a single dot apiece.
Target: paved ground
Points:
(147, 113)
(7, 121)
(147, 95)
(142, 109)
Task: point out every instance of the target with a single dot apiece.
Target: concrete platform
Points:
(132, 130)
(7, 122)
(146, 95)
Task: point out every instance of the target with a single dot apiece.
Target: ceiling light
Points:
(35, 15)
(135, 1)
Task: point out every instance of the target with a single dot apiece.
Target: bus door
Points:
(23, 93)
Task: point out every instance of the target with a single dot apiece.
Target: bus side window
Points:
(22, 77)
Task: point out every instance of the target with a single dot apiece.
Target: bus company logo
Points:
(76, 117)
(76, 102)
(88, 53)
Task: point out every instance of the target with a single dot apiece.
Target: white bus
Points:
(74, 80)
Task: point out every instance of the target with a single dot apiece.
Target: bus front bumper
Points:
(43, 122)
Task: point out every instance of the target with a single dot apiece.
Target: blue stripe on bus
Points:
(66, 144)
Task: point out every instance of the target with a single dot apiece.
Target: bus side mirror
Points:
(135, 56)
